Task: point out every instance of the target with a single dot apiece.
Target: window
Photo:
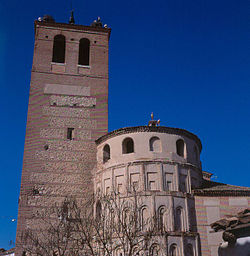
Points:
(183, 186)
(98, 210)
(154, 250)
(127, 146)
(180, 147)
(189, 250)
(179, 222)
(143, 218)
(155, 144)
(59, 49)
(173, 250)
(83, 58)
(70, 133)
(106, 153)
(161, 223)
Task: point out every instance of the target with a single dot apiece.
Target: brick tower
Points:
(67, 112)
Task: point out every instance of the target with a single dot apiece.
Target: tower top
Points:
(49, 21)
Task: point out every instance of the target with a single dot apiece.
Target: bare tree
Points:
(105, 225)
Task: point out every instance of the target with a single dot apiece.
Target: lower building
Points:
(163, 165)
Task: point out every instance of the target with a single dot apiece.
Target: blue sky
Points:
(187, 61)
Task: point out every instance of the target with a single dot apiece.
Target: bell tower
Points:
(67, 112)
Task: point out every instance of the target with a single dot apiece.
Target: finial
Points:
(72, 19)
(153, 122)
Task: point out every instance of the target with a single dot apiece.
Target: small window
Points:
(98, 210)
(155, 144)
(179, 219)
(83, 58)
(106, 153)
(59, 49)
(127, 146)
(180, 147)
(173, 250)
(161, 223)
(189, 250)
(70, 133)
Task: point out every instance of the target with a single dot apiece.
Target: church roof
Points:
(212, 188)
(230, 222)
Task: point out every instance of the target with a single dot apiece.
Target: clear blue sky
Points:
(187, 61)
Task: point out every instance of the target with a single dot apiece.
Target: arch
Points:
(83, 57)
(143, 217)
(59, 49)
(155, 144)
(179, 219)
(154, 250)
(189, 250)
(98, 210)
(118, 251)
(161, 218)
(180, 147)
(127, 146)
(106, 153)
(173, 251)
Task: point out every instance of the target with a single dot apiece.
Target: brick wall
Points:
(62, 96)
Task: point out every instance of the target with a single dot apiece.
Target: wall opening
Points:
(180, 145)
(98, 210)
(106, 153)
(155, 144)
(189, 251)
(127, 146)
(173, 250)
(59, 49)
(179, 221)
(70, 133)
(83, 58)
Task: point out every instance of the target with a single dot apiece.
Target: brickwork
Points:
(62, 96)
(211, 209)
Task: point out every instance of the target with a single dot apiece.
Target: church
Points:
(68, 150)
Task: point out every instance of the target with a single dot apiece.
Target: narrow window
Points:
(179, 219)
(180, 147)
(127, 146)
(143, 218)
(173, 250)
(83, 58)
(189, 250)
(155, 144)
(154, 250)
(161, 218)
(59, 49)
(98, 210)
(70, 133)
(106, 153)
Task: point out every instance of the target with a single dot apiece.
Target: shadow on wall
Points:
(241, 248)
